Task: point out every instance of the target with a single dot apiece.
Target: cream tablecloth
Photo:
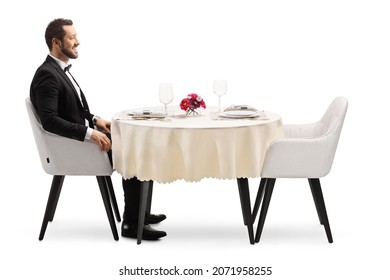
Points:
(191, 148)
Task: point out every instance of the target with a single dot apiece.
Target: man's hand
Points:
(103, 125)
(101, 140)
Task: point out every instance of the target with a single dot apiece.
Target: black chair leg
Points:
(243, 188)
(51, 205)
(111, 193)
(259, 198)
(145, 185)
(59, 181)
(319, 198)
(312, 184)
(269, 187)
(106, 200)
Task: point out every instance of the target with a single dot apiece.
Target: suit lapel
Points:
(66, 78)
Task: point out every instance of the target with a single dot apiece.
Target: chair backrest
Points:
(312, 154)
(332, 122)
(64, 156)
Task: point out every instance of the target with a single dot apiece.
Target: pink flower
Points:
(185, 104)
(192, 102)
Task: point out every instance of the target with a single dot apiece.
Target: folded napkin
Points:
(240, 107)
(146, 114)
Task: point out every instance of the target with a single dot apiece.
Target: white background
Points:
(290, 57)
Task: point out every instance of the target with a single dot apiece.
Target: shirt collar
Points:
(60, 62)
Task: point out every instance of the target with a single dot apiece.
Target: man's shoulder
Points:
(48, 67)
(46, 73)
(49, 64)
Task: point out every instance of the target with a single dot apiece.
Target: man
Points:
(63, 110)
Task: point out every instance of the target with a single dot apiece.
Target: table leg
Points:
(142, 208)
(243, 187)
(150, 194)
(241, 201)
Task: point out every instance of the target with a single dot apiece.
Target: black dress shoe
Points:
(148, 233)
(154, 219)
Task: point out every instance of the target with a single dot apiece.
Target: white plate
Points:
(239, 114)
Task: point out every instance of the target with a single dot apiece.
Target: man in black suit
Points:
(63, 110)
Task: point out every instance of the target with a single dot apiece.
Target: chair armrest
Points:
(65, 156)
(298, 158)
(303, 130)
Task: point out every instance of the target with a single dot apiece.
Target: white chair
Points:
(307, 151)
(61, 156)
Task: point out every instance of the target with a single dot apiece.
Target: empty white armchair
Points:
(307, 151)
(61, 156)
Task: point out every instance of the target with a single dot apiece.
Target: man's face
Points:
(70, 42)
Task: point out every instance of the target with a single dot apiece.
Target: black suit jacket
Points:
(57, 102)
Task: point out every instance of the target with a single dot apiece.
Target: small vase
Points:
(192, 112)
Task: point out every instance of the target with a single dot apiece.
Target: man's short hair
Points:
(55, 30)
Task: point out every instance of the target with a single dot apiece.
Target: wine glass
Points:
(220, 88)
(166, 94)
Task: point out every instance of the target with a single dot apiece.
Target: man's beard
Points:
(68, 53)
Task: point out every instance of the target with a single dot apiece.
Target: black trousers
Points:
(131, 190)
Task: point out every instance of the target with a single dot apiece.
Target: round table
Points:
(191, 147)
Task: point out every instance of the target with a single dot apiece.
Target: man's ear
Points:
(57, 42)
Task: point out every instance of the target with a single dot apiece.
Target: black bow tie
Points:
(67, 68)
